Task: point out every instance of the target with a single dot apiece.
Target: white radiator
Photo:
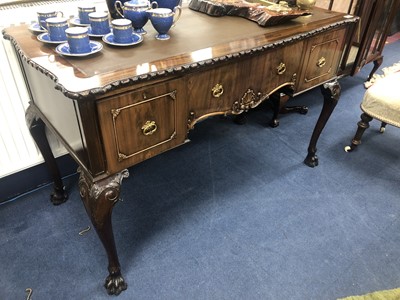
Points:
(17, 149)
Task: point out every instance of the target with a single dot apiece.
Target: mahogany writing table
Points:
(116, 108)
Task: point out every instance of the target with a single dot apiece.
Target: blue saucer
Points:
(36, 28)
(63, 49)
(45, 38)
(77, 22)
(96, 35)
(109, 39)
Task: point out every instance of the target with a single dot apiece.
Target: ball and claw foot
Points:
(59, 196)
(311, 160)
(115, 284)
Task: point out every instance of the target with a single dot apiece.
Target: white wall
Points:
(17, 149)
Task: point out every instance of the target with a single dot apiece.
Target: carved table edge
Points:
(174, 70)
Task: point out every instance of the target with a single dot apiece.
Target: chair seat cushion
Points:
(382, 100)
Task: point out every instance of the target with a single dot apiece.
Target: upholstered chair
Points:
(381, 102)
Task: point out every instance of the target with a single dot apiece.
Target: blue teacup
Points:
(99, 23)
(122, 31)
(45, 14)
(56, 28)
(163, 19)
(83, 12)
(78, 40)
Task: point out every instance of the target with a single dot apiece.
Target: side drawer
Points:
(242, 85)
(321, 59)
(141, 124)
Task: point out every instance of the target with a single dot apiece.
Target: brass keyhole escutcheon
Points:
(217, 90)
(281, 68)
(321, 62)
(149, 127)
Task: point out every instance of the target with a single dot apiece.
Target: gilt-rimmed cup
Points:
(99, 23)
(78, 40)
(45, 14)
(56, 28)
(122, 31)
(83, 12)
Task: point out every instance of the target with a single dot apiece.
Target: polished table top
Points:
(195, 40)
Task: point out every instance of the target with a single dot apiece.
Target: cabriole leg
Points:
(99, 199)
(37, 129)
(331, 93)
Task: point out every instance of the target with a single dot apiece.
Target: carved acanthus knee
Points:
(101, 194)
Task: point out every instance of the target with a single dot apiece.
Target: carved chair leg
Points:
(99, 199)
(377, 64)
(279, 101)
(362, 126)
(331, 93)
(383, 127)
(37, 129)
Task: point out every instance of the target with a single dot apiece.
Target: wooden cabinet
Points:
(367, 42)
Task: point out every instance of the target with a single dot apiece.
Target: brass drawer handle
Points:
(149, 127)
(321, 62)
(281, 68)
(217, 90)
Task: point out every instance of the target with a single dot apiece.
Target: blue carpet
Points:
(235, 214)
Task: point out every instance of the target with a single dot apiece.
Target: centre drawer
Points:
(238, 86)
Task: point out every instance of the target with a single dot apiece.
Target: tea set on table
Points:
(53, 28)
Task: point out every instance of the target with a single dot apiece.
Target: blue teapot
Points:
(171, 4)
(111, 8)
(136, 11)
